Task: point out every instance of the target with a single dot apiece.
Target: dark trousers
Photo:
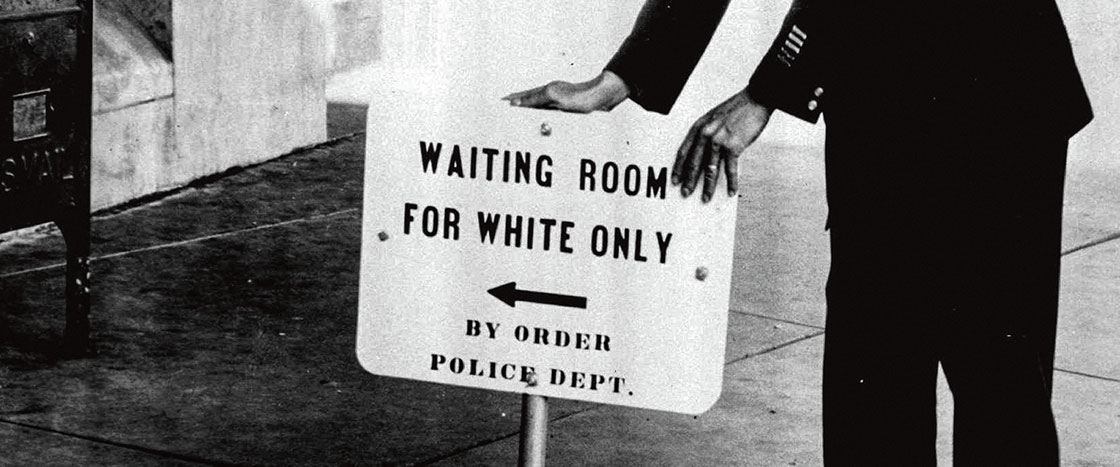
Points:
(968, 279)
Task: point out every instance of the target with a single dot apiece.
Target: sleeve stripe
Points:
(799, 33)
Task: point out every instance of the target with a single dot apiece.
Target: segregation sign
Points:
(540, 252)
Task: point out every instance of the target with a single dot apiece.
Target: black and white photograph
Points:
(573, 233)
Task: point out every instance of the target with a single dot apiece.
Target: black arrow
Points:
(509, 295)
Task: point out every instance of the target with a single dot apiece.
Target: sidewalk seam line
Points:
(95, 439)
(775, 347)
(187, 241)
(443, 457)
(771, 318)
(1088, 375)
(1092, 243)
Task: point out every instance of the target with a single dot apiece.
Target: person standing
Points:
(947, 126)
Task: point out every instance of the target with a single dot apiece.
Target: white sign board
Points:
(501, 242)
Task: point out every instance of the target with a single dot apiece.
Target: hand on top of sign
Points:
(603, 92)
(719, 137)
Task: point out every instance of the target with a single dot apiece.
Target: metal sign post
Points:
(534, 431)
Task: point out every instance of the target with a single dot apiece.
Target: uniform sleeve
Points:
(789, 76)
(667, 41)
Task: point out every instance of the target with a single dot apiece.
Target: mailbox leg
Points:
(75, 229)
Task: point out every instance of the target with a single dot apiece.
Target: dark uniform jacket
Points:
(934, 80)
(945, 155)
(995, 59)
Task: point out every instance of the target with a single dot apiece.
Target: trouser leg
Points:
(880, 369)
(1001, 377)
(881, 413)
(1002, 410)
(999, 353)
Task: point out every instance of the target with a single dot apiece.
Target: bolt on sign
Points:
(540, 252)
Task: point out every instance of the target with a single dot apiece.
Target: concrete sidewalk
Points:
(225, 320)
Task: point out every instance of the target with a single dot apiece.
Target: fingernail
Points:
(706, 198)
(675, 180)
(685, 191)
(515, 102)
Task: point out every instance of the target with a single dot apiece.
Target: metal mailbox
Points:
(45, 94)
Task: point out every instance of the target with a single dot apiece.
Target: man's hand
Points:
(603, 92)
(719, 137)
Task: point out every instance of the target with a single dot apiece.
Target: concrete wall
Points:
(151, 16)
(249, 82)
(189, 89)
(133, 130)
(353, 30)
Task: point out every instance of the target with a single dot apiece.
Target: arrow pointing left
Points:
(509, 294)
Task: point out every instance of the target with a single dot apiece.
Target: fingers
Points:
(543, 97)
(693, 154)
(731, 147)
(550, 96)
(708, 145)
(517, 98)
(711, 172)
(582, 97)
(603, 93)
(731, 166)
(690, 173)
(683, 152)
(719, 137)
(708, 168)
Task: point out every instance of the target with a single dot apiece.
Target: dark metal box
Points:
(45, 94)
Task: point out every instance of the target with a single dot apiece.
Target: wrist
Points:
(611, 87)
(754, 101)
